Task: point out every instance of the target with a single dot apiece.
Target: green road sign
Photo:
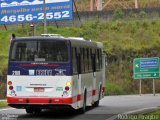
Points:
(146, 68)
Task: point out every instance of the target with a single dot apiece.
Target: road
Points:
(110, 106)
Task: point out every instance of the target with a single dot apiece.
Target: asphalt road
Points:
(109, 108)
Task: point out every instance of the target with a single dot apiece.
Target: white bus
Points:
(52, 71)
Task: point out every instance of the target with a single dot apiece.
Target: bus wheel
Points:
(37, 111)
(83, 109)
(29, 110)
(96, 104)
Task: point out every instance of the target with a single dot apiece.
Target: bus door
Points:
(94, 73)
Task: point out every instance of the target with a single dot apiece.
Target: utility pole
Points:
(136, 4)
(45, 21)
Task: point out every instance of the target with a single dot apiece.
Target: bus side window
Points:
(78, 61)
(90, 60)
(87, 59)
(84, 61)
(74, 60)
(100, 58)
(94, 62)
(81, 60)
(97, 53)
(85, 56)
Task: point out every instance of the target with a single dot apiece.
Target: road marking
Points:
(113, 117)
(7, 109)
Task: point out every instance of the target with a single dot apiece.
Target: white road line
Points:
(7, 109)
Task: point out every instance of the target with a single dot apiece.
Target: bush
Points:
(113, 89)
(142, 14)
(118, 14)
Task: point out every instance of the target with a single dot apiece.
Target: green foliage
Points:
(3, 104)
(114, 89)
(118, 14)
(3, 90)
(132, 14)
(142, 14)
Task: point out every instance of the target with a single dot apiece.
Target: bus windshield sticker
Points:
(31, 72)
(18, 88)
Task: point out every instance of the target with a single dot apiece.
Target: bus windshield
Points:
(40, 51)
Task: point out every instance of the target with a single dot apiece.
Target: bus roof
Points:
(77, 41)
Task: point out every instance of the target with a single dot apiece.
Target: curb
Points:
(142, 111)
(3, 100)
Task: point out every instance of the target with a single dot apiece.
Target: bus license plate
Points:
(38, 89)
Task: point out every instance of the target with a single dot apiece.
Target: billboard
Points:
(20, 11)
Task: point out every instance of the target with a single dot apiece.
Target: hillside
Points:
(123, 41)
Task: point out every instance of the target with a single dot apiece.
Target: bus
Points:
(51, 71)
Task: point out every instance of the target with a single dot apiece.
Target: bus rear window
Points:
(41, 51)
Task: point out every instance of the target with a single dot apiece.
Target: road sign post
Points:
(140, 87)
(154, 91)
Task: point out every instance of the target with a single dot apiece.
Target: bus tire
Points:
(37, 111)
(83, 109)
(29, 110)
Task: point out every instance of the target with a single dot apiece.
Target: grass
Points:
(3, 104)
(150, 116)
